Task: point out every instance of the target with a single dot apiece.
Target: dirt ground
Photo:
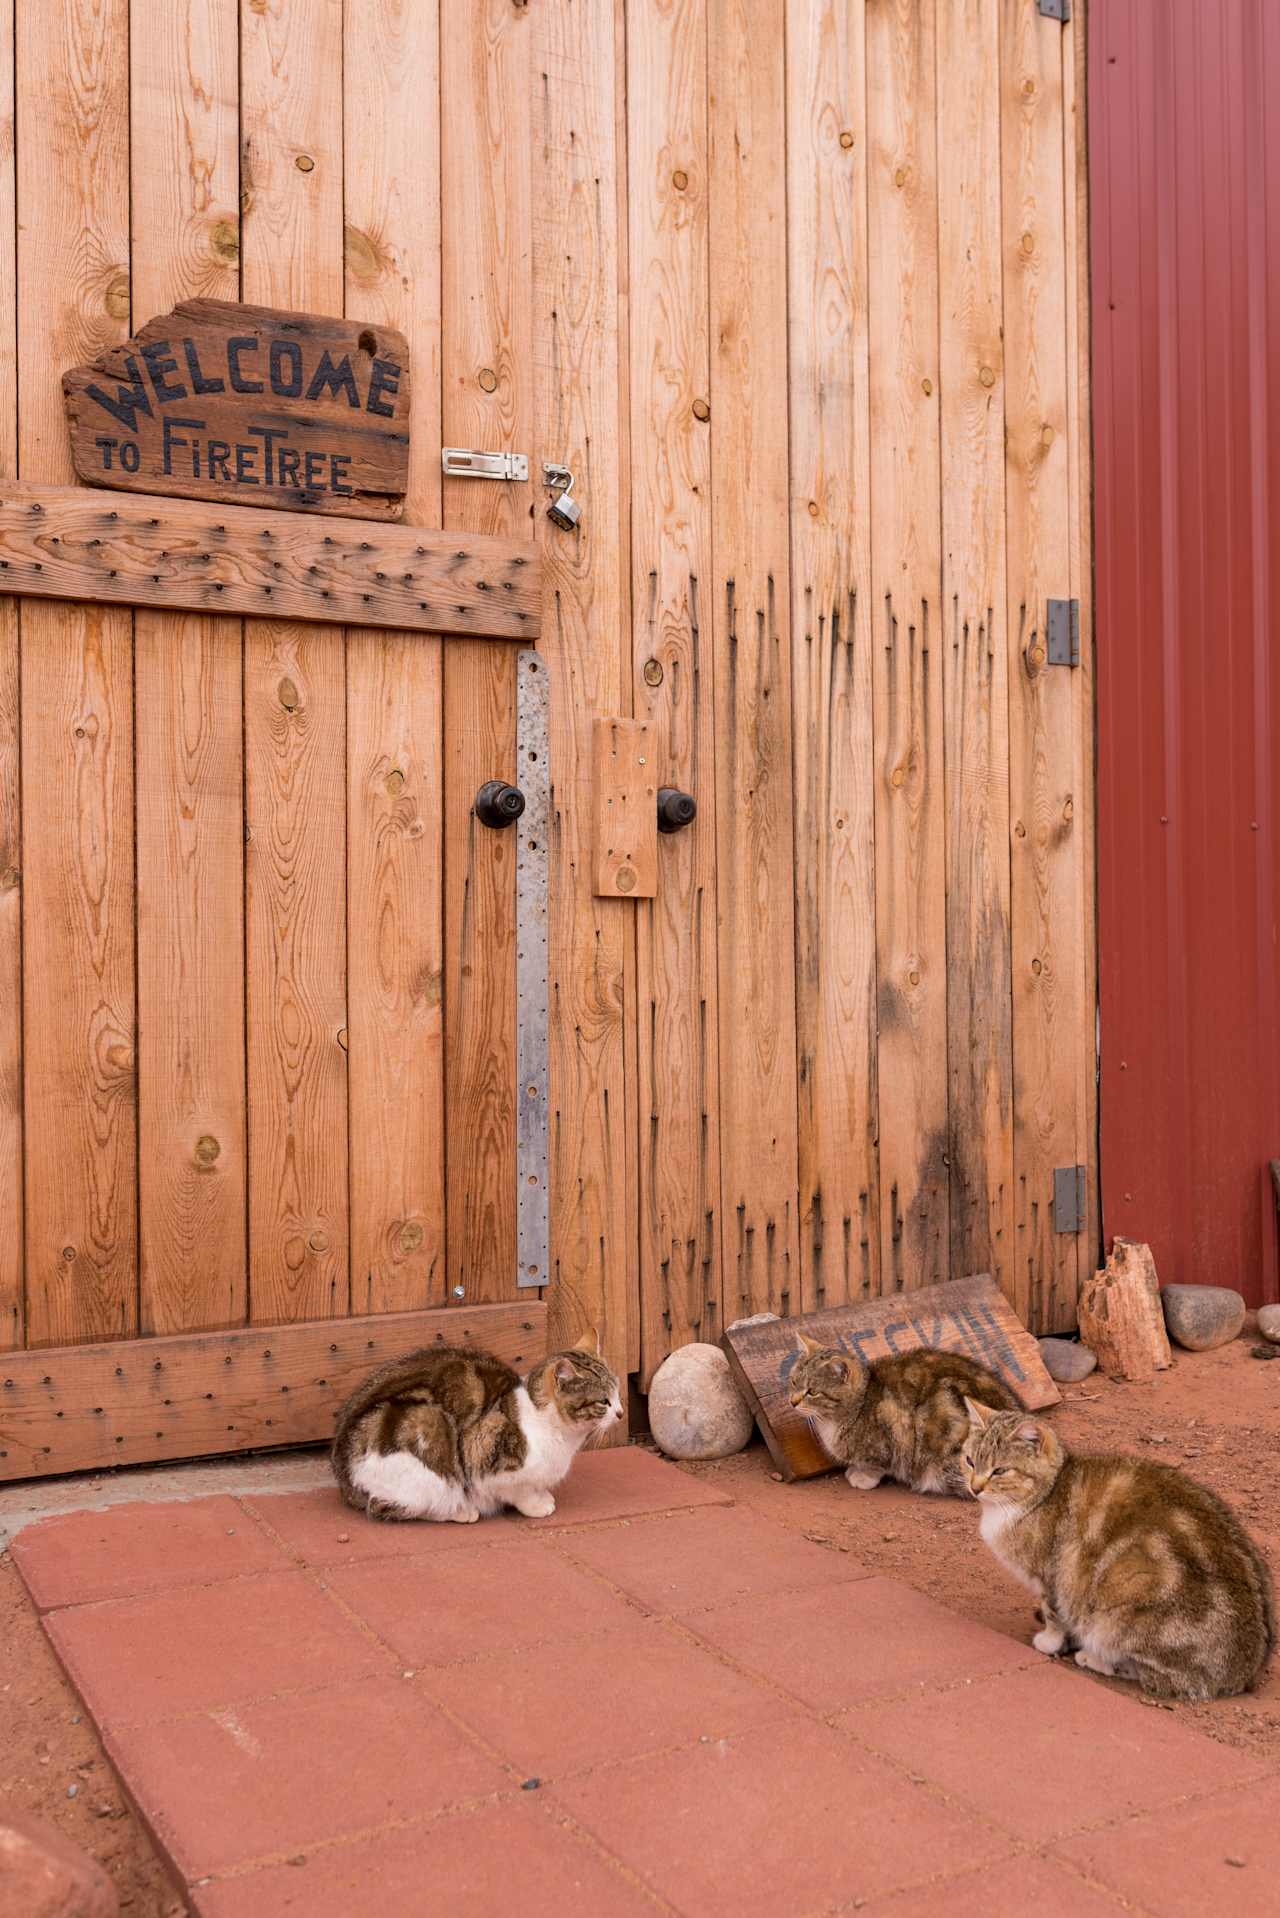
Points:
(1216, 1414)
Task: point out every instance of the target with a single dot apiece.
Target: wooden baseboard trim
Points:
(76, 1408)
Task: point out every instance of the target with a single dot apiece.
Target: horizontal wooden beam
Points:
(75, 1408)
(71, 542)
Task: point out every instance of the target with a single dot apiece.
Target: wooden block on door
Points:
(625, 802)
(963, 1315)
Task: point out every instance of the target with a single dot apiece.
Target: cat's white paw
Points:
(1050, 1641)
(468, 1517)
(536, 1505)
(1090, 1662)
(863, 1481)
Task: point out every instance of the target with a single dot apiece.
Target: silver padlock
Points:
(564, 511)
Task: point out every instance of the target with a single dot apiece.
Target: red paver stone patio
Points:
(653, 1701)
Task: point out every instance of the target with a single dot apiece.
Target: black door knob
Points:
(675, 809)
(498, 804)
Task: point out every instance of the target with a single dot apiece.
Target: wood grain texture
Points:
(76, 694)
(184, 164)
(1046, 872)
(11, 1230)
(969, 1315)
(831, 652)
(60, 542)
(93, 1406)
(751, 621)
(295, 718)
(1075, 88)
(395, 773)
(624, 803)
(677, 1050)
(578, 418)
(907, 645)
(487, 82)
(974, 641)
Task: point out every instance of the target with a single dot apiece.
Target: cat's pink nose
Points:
(618, 1413)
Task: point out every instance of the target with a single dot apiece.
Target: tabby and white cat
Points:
(1140, 1572)
(448, 1434)
(903, 1417)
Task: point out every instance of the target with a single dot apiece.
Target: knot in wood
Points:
(287, 693)
(701, 410)
(207, 1149)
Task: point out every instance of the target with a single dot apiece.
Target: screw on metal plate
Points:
(564, 511)
(464, 462)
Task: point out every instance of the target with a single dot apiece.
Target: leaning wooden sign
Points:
(223, 401)
(963, 1315)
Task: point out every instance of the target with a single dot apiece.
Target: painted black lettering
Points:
(270, 434)
(1003, 1355)
(159, 360)
(219, 454)
(336, 379)
(129, 400)
(887, 1332)
(338, 464)
(856, 1341)
(245, 476)
(385, 378)
(200, 381)
(171, 438)
(107, 448)
(130, 457)
(313, 481)
(242, 343)
(287, 465)
(287, 384)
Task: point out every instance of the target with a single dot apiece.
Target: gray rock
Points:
(1202, 1316)
(1269, 1323)
(695, 1409)
(1067, 1361)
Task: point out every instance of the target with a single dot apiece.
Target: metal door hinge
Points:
(1070, 1187)
(1056, 9)
(463, 462)
(1064, 632)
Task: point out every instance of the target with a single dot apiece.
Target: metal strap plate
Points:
(1064, 632)
(1056, 9)
(533, 776)
(1069, 1188)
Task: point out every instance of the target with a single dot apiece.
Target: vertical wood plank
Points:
(751, 619)
(11, 1232)
(294, 717)
(486, 89)
(1075, 91)
(677, 1053)
(973, 641)
(1047, 958)
(585, 641)
(76, 696)
(831, 651)
(906, 644)
(395, 777)
(184, 161)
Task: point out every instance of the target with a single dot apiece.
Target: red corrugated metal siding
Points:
(1184, 130)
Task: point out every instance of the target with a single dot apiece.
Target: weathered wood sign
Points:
(222, 401)
(964, 1315)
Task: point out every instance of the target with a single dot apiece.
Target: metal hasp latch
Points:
(1063, 623)
(463, 462)
(1056, 9)
(1068, 1198)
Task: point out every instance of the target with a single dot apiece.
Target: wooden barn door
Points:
(257, 954)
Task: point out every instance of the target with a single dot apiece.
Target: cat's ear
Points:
(979, 1415)
(562, 1370)
(807, 1345)
(1029, 1433)
(589, 1342)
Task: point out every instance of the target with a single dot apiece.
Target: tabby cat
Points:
(1140, 1572)
(447, 1434)
(902, 1416)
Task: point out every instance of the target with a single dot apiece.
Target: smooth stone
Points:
(1066, 1361)
(43, 1875)
(1202, 1316)
(695, 1409)
(1269, 1323)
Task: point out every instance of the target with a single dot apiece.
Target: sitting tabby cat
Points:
(904, 1416)
(446, 1434)
(1140, 1572)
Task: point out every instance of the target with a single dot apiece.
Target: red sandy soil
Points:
(1216, 1414)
